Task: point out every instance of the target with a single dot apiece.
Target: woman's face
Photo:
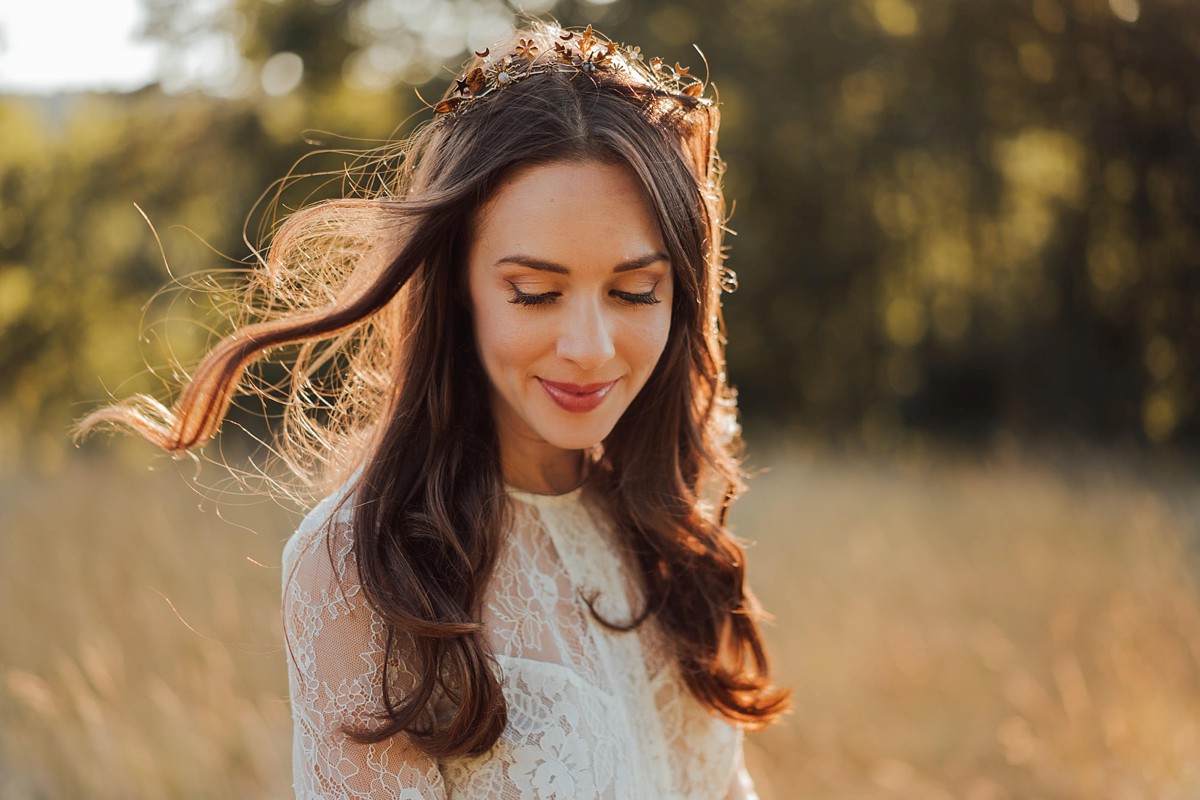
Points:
(571, 291)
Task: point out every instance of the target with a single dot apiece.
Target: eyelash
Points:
(633, 299)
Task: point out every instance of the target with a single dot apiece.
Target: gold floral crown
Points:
(585, 52)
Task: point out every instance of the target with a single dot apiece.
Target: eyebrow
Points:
(550, 266)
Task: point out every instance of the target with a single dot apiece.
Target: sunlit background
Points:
(965, 342)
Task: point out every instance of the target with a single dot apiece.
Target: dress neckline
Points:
(541, 498)
(538, 499)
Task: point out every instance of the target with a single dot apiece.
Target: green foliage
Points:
(79, 261)
(958, 217)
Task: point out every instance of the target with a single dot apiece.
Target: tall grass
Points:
(952, 629)
(1013, 629)
(141, 649)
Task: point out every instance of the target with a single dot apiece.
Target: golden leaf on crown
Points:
(475, 80)
(586, 39)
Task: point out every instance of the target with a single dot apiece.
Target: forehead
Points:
(574, 211)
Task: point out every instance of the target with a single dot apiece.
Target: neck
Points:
(553, 473)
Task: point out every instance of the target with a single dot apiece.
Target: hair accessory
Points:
(585, 52)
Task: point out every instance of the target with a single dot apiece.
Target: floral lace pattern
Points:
(592, 713)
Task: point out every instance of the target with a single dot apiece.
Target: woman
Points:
(524, 585)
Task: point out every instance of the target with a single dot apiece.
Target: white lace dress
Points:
(591, 713)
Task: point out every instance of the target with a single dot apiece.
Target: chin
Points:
(576, 439)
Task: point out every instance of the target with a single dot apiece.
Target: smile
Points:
(576, 397)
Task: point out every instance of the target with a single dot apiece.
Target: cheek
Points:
(647, 339)
(505, 344)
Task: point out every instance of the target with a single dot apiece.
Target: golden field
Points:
(980, 628)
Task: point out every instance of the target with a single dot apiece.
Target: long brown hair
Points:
(369, 287)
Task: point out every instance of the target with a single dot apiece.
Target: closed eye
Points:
(524, 299)
(644, 298)
(546, 298)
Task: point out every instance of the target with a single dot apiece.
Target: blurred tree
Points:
(955, 217)
(959, 216)
(76, 259)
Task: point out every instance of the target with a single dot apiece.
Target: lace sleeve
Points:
(335, 645)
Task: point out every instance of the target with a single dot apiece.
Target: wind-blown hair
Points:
(371, 287)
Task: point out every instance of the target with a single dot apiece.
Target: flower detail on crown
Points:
(574, 52)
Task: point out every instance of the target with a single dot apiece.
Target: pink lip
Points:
(577, 397)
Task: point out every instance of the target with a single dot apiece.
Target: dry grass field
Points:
(984, 629)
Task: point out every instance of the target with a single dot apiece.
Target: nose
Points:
(586, 340)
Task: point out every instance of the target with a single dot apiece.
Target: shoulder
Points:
(319, 554)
